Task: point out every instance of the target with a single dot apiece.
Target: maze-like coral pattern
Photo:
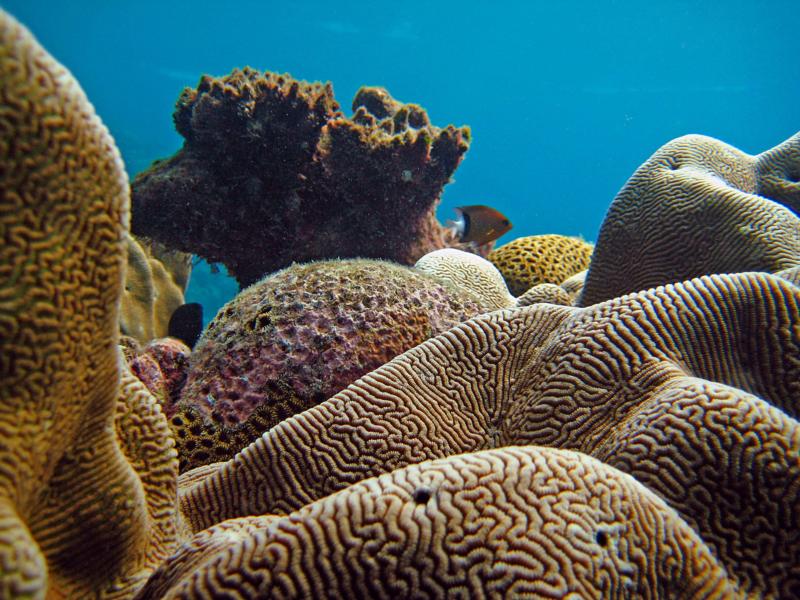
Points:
(697, 207)
(468, 271)
(534, 259)
(573, 378)
(299, 336)
(517, 522)
(71, 490)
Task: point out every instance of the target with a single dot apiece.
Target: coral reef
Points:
(155, 281)
(534, 259)
(518, 522)
(88, 469)
(468, 271)
(271, 173)
(727, 211)
(296, 338)
(684, 386)
(662, 450)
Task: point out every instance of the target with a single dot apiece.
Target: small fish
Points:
(479, 224)
(186, 323)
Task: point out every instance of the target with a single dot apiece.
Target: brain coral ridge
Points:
(271, 172)
(692, 388)
(299, 336)
(697, 207)
(87, 468)
(516, 522)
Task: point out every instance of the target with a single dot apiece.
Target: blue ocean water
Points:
(565, 99)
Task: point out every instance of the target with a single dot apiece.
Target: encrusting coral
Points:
(684, 386)
(296, 338)
(74, 485)
(534, 259)
(726, 212)
(271, 172)
(518, 522)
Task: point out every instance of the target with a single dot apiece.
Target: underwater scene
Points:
(410, 300)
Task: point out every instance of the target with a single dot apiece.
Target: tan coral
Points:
(153, 288)
(469, 271)
(76, 514)
(534, 259)
(673, 384)
(518, 522)
(697, 207)
(545, 292)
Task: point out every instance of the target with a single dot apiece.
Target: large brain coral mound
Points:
(697, 207)
(88, 469)
(512, 523)
(692, 388)
(534, 259)
(298, 337)
(272, 173)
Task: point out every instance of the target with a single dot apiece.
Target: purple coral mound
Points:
(271, 172)
(298, 337)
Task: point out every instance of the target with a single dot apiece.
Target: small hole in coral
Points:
(422, 495)
(602, 538)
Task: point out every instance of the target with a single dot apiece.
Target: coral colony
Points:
(364, 427)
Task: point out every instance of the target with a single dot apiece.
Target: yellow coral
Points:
(535, 259)
(75, 510)
(155, 281)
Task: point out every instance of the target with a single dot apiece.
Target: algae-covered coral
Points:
(272, 172)
(643, 446)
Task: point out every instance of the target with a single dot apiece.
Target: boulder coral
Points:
(520, 522)
(693, 388)
(271, 172)
(298, 337)
(726, 211)
(468, 271)
(534, 259)
(87, 468)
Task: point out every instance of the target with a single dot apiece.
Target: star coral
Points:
(296, 338)
(271, 172)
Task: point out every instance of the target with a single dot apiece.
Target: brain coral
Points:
(72, 485)
(469, 271)
(697, 207)
(271, 173)
(296, 338)
(534, 259)
(692, 388)
(518, 522)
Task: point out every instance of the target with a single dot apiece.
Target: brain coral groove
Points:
(70, 488)
(512, 523)
(271, 172)
(697, 207)
(592, 379)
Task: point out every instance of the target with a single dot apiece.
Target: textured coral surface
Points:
(296, 338)
(699, 206)
(534, 259)
(85, 471)
(271, 172)
(692, 388)
(513, 523)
